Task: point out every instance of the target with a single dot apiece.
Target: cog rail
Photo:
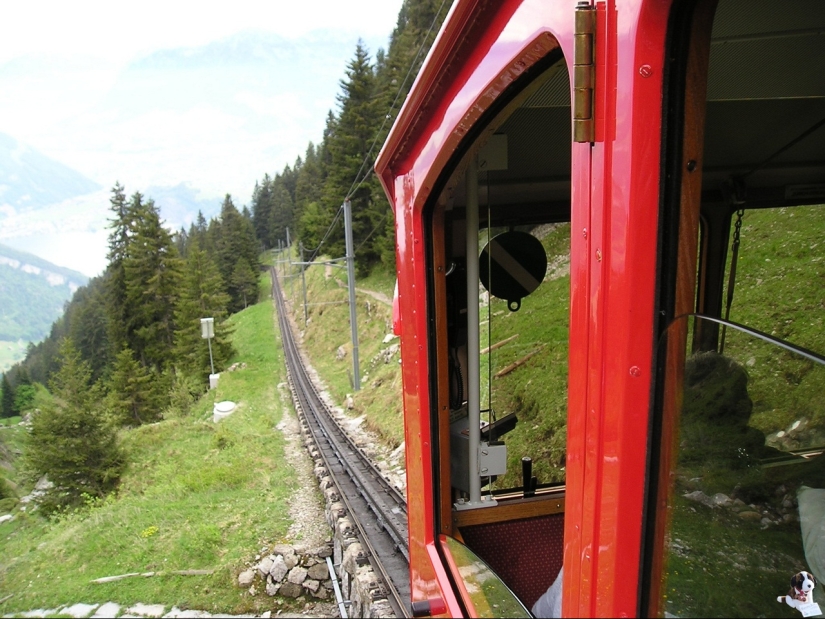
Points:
(376, 507)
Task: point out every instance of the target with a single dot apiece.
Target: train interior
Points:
(741, 367)
(504, 353)
(741, 426)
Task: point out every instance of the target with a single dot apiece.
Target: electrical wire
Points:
(315, 251)
(356, 184)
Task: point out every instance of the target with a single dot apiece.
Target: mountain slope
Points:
(32, 294)
(31, 180)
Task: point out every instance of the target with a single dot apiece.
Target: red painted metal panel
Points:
(615, 188)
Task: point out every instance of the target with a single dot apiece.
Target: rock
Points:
(297, 575)
(283, 550)
(721, 500)
(389, 338)
(699, 497)
(109, 609)
(750, 515)
(147, 610)
(265, 565)
(272, 589)
(319, 572)
(311, 584)
(245, 578)
(278, 569)
(322, 593)
(79, 610)
(253, 590)
(340, 353)
(291, 590)
(290, 561)
(324, 552)
(6, 518)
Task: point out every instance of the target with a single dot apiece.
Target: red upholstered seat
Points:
(526, 554)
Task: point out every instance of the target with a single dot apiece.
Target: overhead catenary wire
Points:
(356, 184)
(314, 252)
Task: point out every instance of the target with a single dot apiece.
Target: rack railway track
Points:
(376, 507)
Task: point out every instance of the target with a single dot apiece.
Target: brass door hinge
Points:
(584, 73)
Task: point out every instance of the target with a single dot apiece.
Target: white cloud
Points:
(120, 30)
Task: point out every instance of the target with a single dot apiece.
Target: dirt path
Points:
(378, 296)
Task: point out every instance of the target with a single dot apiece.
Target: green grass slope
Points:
(196, 495)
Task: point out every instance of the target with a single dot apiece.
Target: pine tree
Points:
(261, 206)
(202, 296)
(7, 398)
(281, 212)
(353, 149)
(234, 238)
(152, 271)
(87, 325)
(135, 394)
(69, 440)
(122, 231)
(244, 283)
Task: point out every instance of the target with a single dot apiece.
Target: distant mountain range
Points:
(30, 180)
(49, 210)
(33, 292)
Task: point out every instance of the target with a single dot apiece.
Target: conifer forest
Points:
(128, 345)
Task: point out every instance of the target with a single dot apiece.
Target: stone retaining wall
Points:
(294, 571)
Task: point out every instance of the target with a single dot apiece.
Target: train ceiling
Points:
(765, 122)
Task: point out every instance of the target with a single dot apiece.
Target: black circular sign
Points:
(511, 266)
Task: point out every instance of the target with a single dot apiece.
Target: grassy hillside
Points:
(327, 329)
(196, 496)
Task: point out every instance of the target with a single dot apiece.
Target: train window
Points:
(500, 250)
(747, 503)
(738, 501)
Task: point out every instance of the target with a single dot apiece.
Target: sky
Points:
(79, 83)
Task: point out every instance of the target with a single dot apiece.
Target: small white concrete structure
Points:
(221, 410)
(213, 381)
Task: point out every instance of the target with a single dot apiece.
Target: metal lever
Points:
(528, 481)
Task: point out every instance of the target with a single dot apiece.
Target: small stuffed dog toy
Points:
(801, 593)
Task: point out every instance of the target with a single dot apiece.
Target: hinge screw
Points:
(645, 70)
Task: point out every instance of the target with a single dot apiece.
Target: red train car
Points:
(586, 393)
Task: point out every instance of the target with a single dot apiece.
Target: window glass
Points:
(482, 588)
(747, 500)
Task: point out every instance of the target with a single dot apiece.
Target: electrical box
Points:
(492, 455)
(207, 328)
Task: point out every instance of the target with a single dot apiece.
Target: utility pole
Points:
(289, 256)
(351, 285)
(303, 281)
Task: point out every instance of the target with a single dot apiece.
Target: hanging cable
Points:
(326, 235)
(378, 225)
(356, 183)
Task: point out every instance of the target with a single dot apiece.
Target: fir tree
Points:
(135, 393)
(244, 283)
(152, 271)
(69, 440)
(202, 296)
(7, 398)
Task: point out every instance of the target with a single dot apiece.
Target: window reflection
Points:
(747, 496)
